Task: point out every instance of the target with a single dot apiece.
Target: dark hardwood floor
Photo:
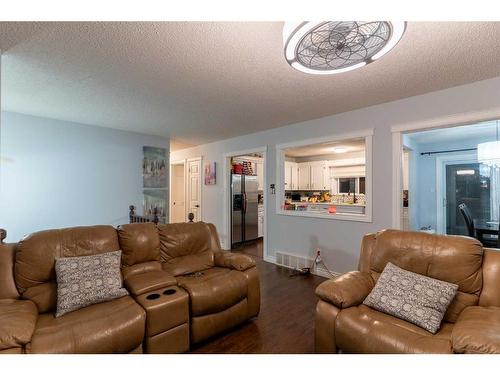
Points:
(286, 320)
(254, 248)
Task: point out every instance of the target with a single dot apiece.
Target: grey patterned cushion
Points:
(87, 280)
(418, 299)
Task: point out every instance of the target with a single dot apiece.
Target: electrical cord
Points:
(316, 262)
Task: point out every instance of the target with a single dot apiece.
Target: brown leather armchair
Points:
(223, 287)
(471, 323)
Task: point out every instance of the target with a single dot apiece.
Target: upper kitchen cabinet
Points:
(318, 175)
(259, 166)
(291, 176)
(310, 176)
(304, 176)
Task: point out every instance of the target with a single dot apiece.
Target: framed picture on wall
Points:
(154, 167)
(210, 173)
(155, 199)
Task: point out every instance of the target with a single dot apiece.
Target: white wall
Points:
(340, 240)
(57, 174)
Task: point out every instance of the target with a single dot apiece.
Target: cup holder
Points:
(169, 292)
(153, 296)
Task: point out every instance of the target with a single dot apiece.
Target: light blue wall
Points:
(425, 184)
(57, 174)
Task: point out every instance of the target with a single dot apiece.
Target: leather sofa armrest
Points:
(17, 322)
(239, 262)
(349, 289)
(477, 331)
(147, 282)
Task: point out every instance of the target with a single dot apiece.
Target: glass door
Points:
(467, 183)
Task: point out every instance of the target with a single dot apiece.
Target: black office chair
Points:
(469, 222)
(498, 234)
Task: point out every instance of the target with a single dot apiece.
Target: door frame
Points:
(172, 163)
(227, 197)
(441, 163)
(200, 187)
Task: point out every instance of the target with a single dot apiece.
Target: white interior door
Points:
(178, 192)
(194, 187)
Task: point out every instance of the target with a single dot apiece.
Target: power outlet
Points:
(318, 256)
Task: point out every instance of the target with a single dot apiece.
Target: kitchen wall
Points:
(340, 240)
(57, 174)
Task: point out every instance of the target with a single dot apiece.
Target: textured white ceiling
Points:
(199, 82)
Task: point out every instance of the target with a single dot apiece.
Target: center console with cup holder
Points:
(167, 320)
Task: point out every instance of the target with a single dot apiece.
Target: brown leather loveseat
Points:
(183, 289)
(471, 324)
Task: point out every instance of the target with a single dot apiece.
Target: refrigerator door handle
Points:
(244, 203)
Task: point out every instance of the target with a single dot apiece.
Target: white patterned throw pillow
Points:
(418, 299)
(87, 280)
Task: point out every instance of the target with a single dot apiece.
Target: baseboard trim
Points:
(316, 271)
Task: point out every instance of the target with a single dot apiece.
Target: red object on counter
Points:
(238, 168)
(332, 209)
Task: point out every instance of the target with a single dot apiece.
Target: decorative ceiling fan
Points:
(333, 47)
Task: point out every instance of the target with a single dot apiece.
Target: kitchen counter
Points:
(331, 204)
(340, 208)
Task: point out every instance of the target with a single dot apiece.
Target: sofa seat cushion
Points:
(214, 289)
(17, 323)
(361, 329)
(116, 326)
(477, 331)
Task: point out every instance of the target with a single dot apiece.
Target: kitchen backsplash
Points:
(334, 198)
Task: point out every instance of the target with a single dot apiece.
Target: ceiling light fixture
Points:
(339, 150)
(488, 153)
(462, 172)
(333, 47)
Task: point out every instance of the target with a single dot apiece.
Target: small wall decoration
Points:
(154, 167)
(210, 173)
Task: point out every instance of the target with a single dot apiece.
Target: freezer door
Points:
(251, 216)
(237, 203)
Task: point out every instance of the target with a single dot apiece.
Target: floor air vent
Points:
(293, 261)
(296, 262)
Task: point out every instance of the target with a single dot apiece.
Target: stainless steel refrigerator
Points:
(244, 208)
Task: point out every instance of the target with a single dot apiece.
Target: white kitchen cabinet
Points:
(318, 171)
(294, 175)
(260, 175)
(291, 176)
(304, 176)
(312, 176)
(288, 176)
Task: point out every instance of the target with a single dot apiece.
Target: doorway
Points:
(245, 196)
(185, 190)
(463, 182)
(177, 193)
